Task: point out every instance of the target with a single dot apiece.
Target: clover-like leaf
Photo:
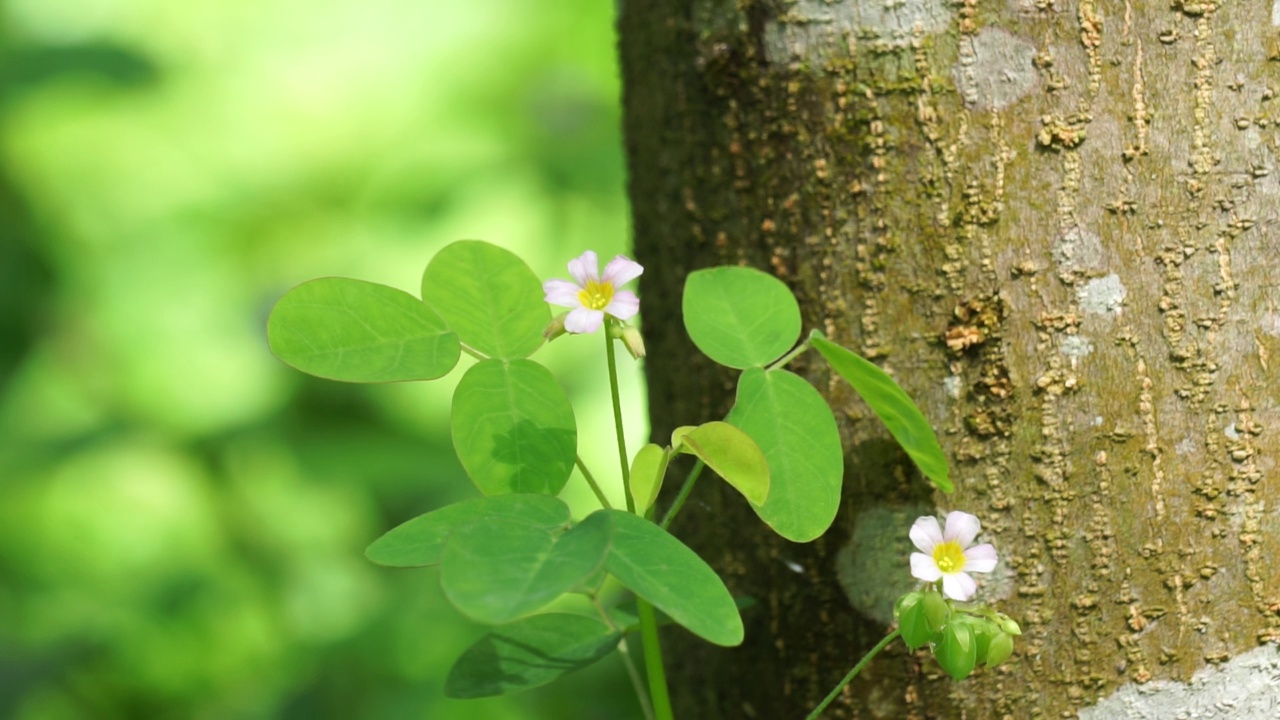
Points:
(528, 653)
(489, 296)
(740, 317)
(793, 425)
(653, 564)
(733, 455)
(513, 428)
(893, 406)
(648, 469)
(418, 542)
(357, 331)
(496, 570)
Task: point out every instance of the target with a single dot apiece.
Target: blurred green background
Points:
(182, 517)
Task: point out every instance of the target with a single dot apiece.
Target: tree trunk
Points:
(1053, 221)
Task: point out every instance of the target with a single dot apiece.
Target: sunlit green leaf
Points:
(893, 406)
(513, 428)
(528, 653)
(659, 568)
(740, 317)
(647, 472)
(795, 430)
(733, 455)
(494, 571)
(357, 331)
(489, 296)
(418, 542)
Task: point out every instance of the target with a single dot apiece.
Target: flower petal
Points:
(958, 586)
(962, 528)
(980, 558)
(926, 533)
(623, 305)
(621, 270)
(562, 292)
(924, 568)
(585, 267)
(583, 320)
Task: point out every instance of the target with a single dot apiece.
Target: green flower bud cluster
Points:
(960, 635)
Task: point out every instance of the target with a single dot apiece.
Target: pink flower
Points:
(592, 296)
(945, 554)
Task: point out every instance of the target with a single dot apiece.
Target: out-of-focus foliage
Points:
(182, 517)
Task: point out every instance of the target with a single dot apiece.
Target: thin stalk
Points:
(789, 356)
(683, 495)
(852, 673)
(653, 661)
(595, 488)
(473, 352)
(637, 682)
(617, 420)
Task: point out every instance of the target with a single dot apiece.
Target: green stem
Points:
(789, 356)
(595, 488)
(473, 352)
(636, 681)
(653, 661)
(684, 494)
(852, 673)
(617, 420)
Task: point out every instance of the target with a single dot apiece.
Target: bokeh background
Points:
(182, 517)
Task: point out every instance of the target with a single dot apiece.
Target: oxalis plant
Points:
(517, 549)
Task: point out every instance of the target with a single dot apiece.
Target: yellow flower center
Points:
(949, 557)
(596, 295)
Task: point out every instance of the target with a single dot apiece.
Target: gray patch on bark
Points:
(1270, 324)
(1275, 13)
(1245, 688)
(995, 69)
(874, 567)
(816, 30)
(1077, 249)
(1102, 296)
(1075, 346)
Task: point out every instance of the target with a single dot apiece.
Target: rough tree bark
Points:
(1055, 222)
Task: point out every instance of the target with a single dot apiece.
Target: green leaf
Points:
(740, 317)
(913, 622)
(494, 571)
(357, 331)
(795, 430)
(489, 296)
(653, 564)
(957, 652)
(513, 428)
(893, 406)
(528, 653)
(733, 455)
(647, 472)
(418, 542)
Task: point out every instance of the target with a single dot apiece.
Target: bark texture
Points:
(1056, 224)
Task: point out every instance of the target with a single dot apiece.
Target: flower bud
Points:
(1000, 649)
(633, 341)
(556, 328)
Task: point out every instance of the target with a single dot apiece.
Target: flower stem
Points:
(595, 488)
(653, 661)
(683, 495)
(617, 421)
(831, 696)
